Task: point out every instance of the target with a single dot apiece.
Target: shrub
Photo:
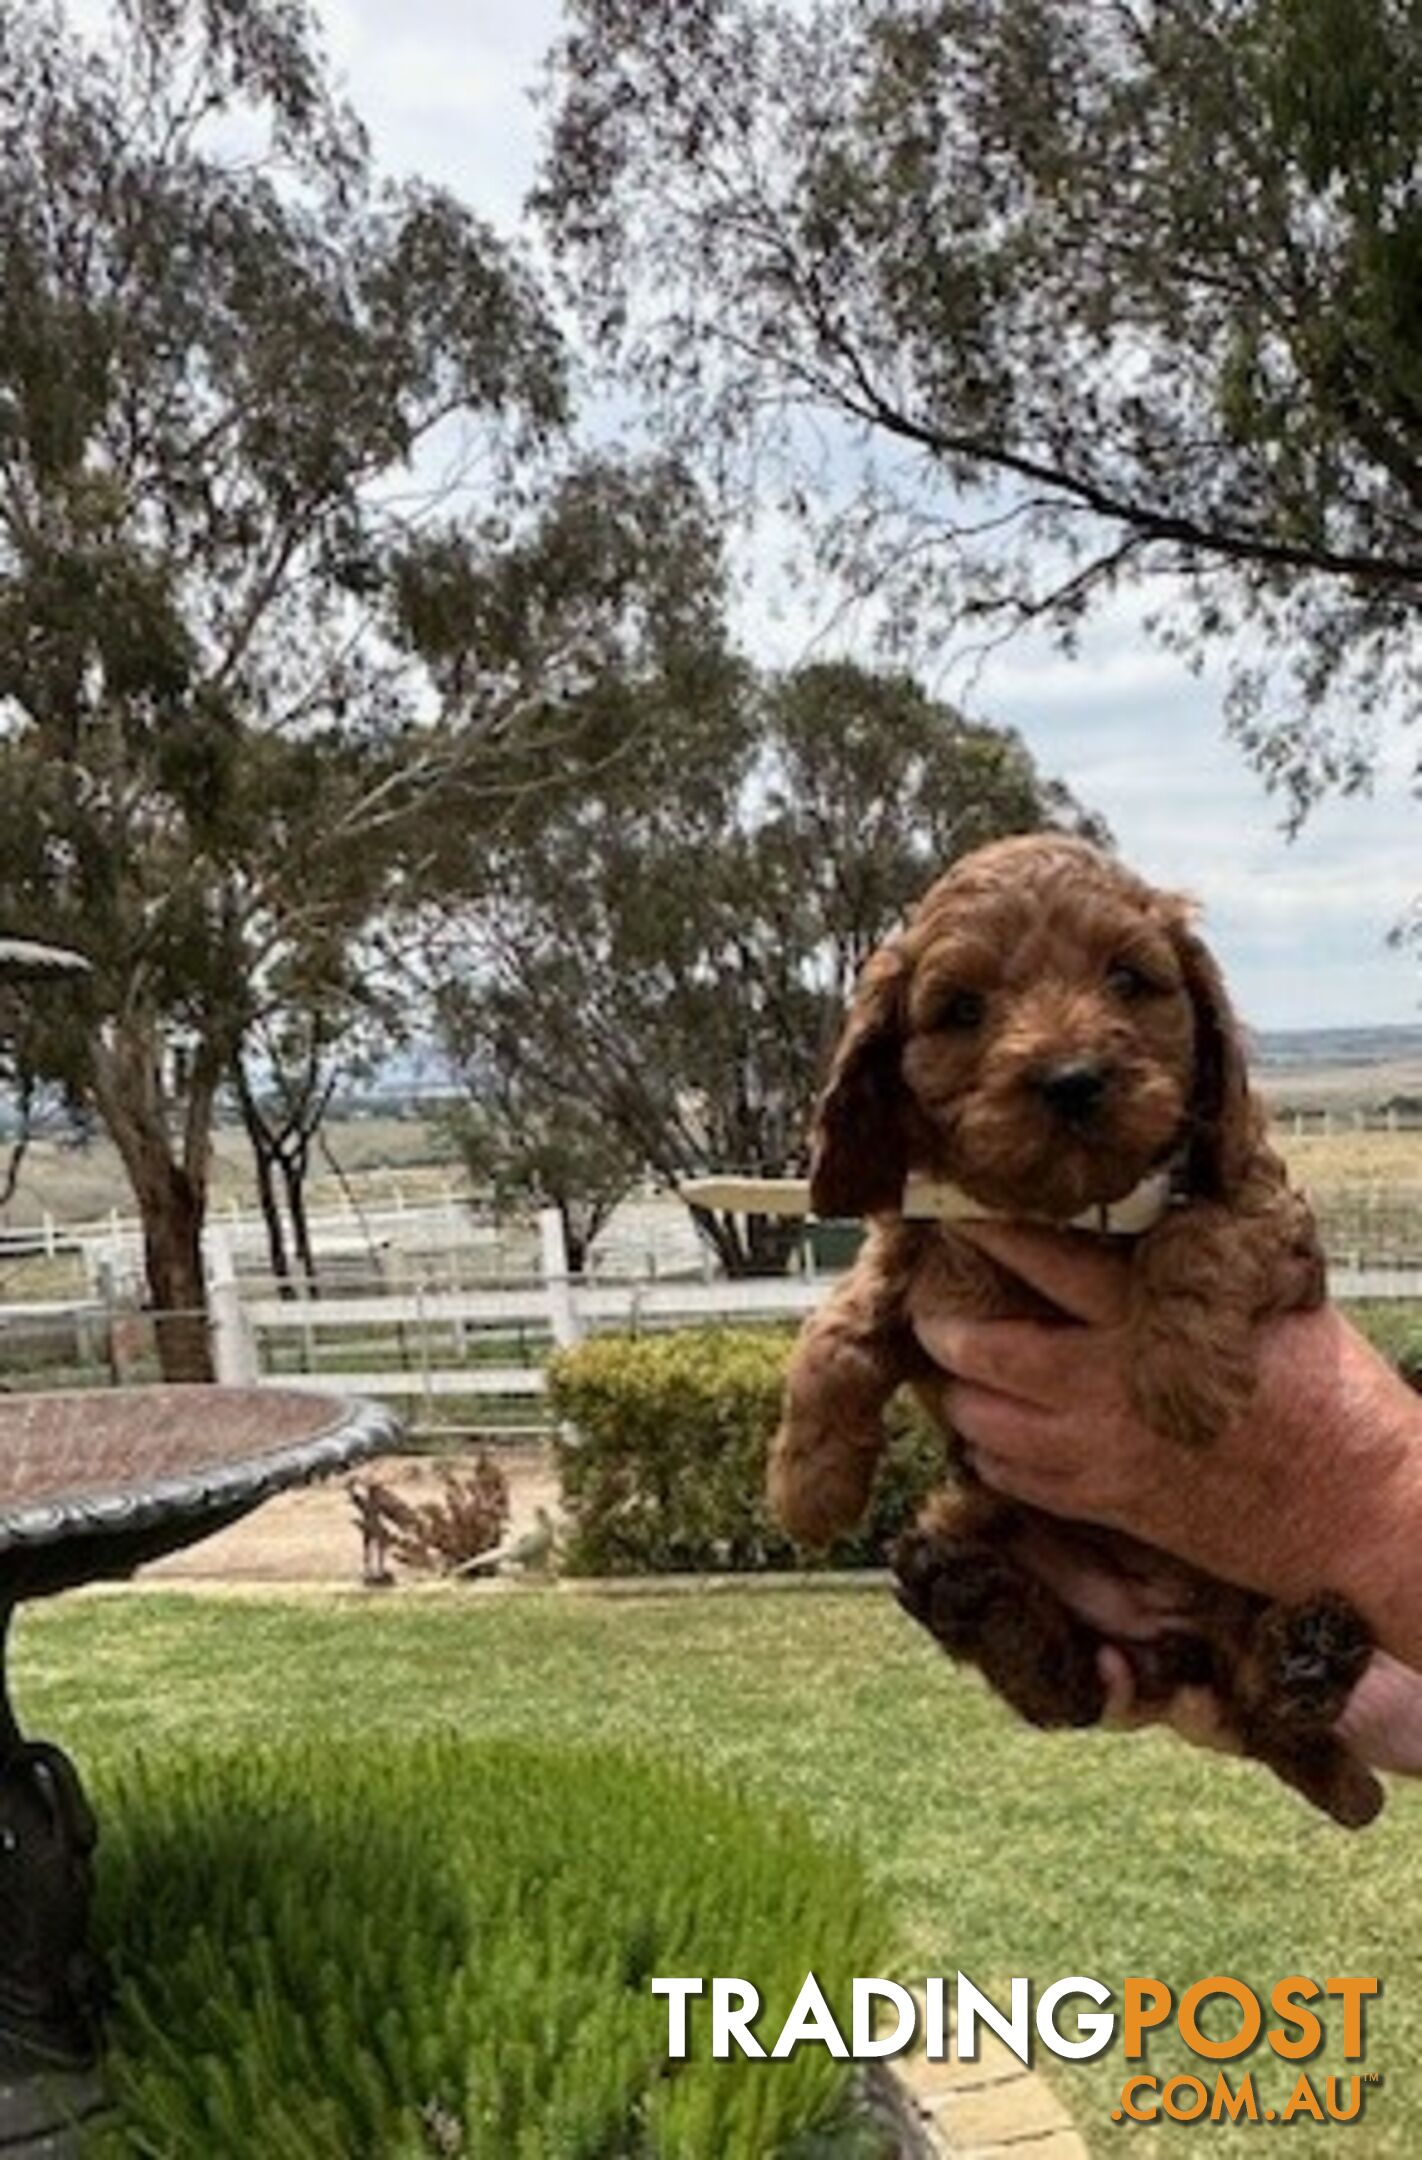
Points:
(667, 1470)
(450, 1950)
(470, 1517)
(1393, 1326)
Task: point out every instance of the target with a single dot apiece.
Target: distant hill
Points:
(1303, 1064)
(1369, 1062)
(1284, 1050)
(1338, 1069)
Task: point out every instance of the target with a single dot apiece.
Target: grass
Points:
(1319, 1160)
(996, 1850)
(1393, 1325)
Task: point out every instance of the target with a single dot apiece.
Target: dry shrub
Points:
(470, 1517)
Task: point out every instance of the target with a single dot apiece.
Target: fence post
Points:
(234, 1351)
(562, 1314)
(422, 1324)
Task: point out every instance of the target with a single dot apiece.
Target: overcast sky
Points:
(1301, 928)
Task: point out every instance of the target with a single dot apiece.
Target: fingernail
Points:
(945, 1338)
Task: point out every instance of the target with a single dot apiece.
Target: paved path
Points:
(309, 1535)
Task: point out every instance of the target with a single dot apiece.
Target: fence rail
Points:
(432, 1327)
(473, 1356)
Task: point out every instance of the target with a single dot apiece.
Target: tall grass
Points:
(447, 1947)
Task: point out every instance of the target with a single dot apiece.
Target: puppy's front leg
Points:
(847, 1362)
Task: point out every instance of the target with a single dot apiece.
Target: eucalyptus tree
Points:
(665, 948)
(223, 343)
(1119, 292)
(528, 1146)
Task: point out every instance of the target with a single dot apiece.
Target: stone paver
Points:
(1020, 2107)
(992, 2108)
(1058, 2145)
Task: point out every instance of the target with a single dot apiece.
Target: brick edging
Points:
(991, 2109)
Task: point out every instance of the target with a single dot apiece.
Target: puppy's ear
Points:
(858, 1142)
(1222, 1115)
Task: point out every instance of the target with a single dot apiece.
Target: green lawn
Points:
(1001, 1851)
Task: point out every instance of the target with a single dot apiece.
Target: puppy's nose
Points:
(1074, 1086)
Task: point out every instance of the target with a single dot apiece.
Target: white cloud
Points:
(445, 89)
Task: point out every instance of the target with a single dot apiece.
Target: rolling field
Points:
(382, 1158)
(388, 1158)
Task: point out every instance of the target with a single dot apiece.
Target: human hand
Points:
(1131, 1595)
(1382, 1723)
(1318, 1485)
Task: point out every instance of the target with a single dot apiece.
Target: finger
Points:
(1119, 1711)
(1046, 1489)
(1106, 1601)
(1036, 1361)
(1080, 1273)
(1382, 1720)
(1020, 1435)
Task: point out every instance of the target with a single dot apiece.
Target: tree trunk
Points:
(293, 1170)
(772, 1240)
(170, 1188)
(748, 1245)
(574, 1245)
(271, 1216)
(172, 1213)
(722, 1233)
(264, 1155)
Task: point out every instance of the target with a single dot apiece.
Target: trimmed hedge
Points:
(666, 1474)
(667, 1471)
(1393, 1326)
(449, 1950)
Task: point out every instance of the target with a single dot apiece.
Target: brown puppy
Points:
(1047, 1032)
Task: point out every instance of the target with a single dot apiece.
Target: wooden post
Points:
(234, 1349)
(562, 1314)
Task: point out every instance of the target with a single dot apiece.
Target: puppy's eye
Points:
(961, 1009)
(1128, 982)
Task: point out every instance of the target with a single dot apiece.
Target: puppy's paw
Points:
(979, 1606)
(1325, 1772)
(950, 1587)
(1043, 1660)
(1355, 1794)
(1306, 1661)
(817, 1494)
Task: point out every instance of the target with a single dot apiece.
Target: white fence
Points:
(457, 1323)
(486, 1348)
(396, 1245)
(1301, 1124)
(439, 1349)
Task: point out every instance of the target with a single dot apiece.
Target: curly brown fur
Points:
(1045, 1032)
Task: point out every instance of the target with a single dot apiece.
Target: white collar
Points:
(931, 1200)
